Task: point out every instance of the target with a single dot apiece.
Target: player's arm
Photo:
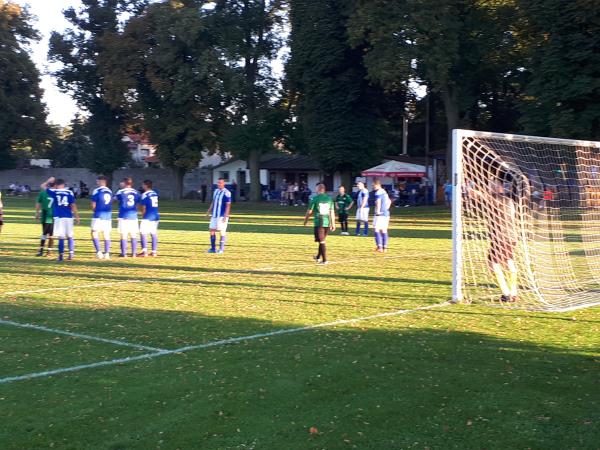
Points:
(331, 219)
(350, 205)
(377, 206)
(309, 213)
(365, 201)
(227, 210)
(75, 213)
(208, 211)
(45, 184)
(37, 210)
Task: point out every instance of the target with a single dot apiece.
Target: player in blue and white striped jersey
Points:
(65, 214)
(128, 198)
(219, 211)
(150, 218)
(102, 199)
(362, 209)
(381, 219)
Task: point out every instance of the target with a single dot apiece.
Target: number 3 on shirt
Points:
(130, 200)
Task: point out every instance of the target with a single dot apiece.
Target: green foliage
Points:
(463, 50)
(327, 80)
(165, 70)
(79, 50)
(562, 44)
(23, 129)
(72, 146)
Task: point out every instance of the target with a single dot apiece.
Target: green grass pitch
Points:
(455, 376)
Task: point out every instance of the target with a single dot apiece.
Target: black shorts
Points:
(343, 216)
(321, 234)
(48, 229)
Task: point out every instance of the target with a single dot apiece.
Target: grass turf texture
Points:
(451, 377)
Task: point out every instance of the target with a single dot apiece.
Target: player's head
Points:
(376, 183)
(51, 184)
(342, 190)
(59, 183)
(127, 182)
(147, 185)
(360, 185)
(221, 183)
(321, 188)
(101, 181)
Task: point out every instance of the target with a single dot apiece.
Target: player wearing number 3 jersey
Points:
(150, 217)
(102, 199)
(128, 199)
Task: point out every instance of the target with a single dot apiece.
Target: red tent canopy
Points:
(396, 169)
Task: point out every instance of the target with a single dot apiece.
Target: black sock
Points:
(323, 251)
(42, 243)
(319, 252)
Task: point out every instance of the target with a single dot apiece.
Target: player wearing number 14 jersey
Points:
(128, 199)
(150, 217)
(65, 210)
(102, 199)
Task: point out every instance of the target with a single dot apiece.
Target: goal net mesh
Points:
(529, 218)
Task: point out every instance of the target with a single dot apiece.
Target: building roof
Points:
(290, 162)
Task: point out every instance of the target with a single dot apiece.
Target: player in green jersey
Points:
(343, 204)
(45, 214)
(322, 209)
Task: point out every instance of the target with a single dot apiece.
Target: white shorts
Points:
(217, 223)
(128, 227)
(102, 225)
(63, 227)
(148, 226)
(362, 214)
(381, 222)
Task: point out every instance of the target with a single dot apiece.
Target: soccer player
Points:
(343, 204)
(128, 198)
(65, 215)
(381, 220)
(219, 211)
(362, 209)
(150, 217)
(45, 214)
(102, 199)
(322, 208)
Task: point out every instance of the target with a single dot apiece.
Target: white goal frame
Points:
(458, 136)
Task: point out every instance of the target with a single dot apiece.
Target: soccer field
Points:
(259, 348)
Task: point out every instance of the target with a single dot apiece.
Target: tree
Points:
(72, 145)
(23, 128)
(562, 46)
(79, 49)
(166, 71)
(248, 35)
(327, 80)
(463, 50)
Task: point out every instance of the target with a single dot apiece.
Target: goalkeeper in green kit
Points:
(321, 207)
(45, 214)
(343, 204)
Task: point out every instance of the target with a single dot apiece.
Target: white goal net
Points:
(526, 221)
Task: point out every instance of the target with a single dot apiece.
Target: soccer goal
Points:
(526, 221)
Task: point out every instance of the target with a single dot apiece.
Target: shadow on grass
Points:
(373, 388)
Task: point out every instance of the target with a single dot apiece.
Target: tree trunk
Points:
(254, 166)
(178, 187)
(347, 181)
(109, 181)
(450, 101)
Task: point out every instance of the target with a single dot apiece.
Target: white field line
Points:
(218, 343)
(216, 272)
(78, 335)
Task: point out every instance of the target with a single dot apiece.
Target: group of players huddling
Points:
(57, 211)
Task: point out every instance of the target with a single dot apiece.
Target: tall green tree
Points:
(78, 49)
(23, 128)
(327, 79)
(166, 71)
(248, 33)
(72, 145)
(463, 50)
(562, 46)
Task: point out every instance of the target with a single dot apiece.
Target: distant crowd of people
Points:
(79, 190)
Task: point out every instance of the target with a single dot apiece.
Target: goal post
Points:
(525, 220)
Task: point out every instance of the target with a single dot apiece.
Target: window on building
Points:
(225, 175)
